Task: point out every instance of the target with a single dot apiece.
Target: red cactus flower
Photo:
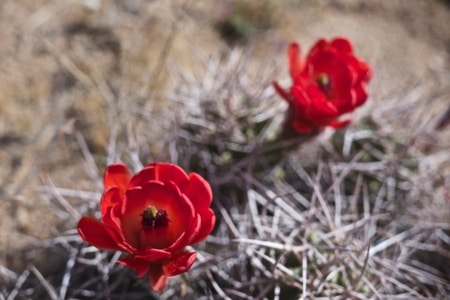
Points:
(330, 83)
(152, 216)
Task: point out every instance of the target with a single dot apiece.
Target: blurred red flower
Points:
(330, 83)
(152, 216)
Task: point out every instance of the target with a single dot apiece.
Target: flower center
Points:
(152, 218)
(324, 82)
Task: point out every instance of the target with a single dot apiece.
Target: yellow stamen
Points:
(150, 212)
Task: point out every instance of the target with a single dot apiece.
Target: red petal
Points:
(194, 229)
(163, 196)
(152, 255)
(97, 234)
(198, 191)
(207, 222)
(116, 175)
(285, 95)
(113, 223)
(170, 172)
(342, 45)
(365, 71)
(145, 175)
(339, 124)
(295, 63)
(301, 97)
(159, 172)
(339, 70)
(319, 45)
(362, 69)
(157, 278)
(135, 202)
(110, 199)
(320, 106)
(176, 236)
(302, 127)
(140, 266)
(180, 243)
(361, 95)
(179, 264)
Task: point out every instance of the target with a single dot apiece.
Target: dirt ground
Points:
(62, 63)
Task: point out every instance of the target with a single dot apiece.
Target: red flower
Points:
(153, 216)
(330, 83)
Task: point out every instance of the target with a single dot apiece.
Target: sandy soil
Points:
(62, 64)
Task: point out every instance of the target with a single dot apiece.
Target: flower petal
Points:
(97, 234)
(145, 175)
(295, 63)
(179, 264)
(340, 124)
(116, 175)
(302, 127)
(361, 95)
(159, 172)
(329, 83)
(162, 196)
(140, 266)
(342, 45)
(170, 172)
(207, 222)
(284, 94)
(113, 223)
(157, 278)
(198, 191)
(111, 198)
(301, 97)
(320, 46)
(152, 255)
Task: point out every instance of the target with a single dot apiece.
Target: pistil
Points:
(152, 218)
(324, 82)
